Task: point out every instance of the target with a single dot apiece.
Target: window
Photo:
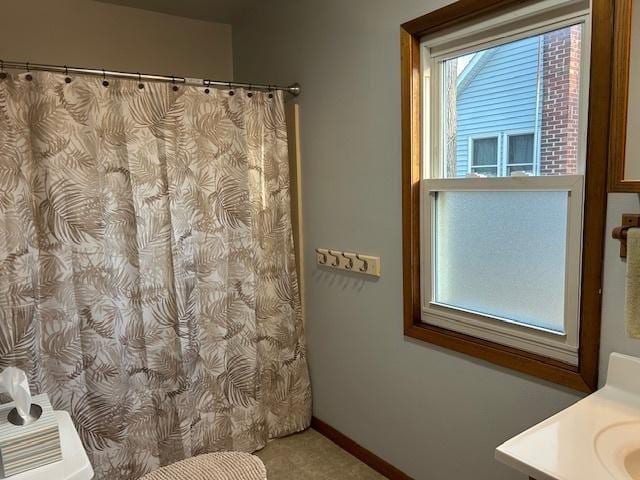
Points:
(502, 155)
(502, 257)
(520, 154)
(502, 254)
(499, 193)
(483, 156)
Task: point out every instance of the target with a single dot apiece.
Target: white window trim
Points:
(465, 40)
(560, 346)
(462, 41)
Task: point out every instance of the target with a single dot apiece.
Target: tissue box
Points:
(29, 446)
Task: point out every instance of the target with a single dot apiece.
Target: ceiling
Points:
(222, 11)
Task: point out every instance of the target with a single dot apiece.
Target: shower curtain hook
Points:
(207, 84)
(28, 76)
(230, 90)
(173, 80)
(3, 75)
(270, 91)
(249, 92)
(66, 75)
(105, 83)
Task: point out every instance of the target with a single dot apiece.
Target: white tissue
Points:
(14, 382)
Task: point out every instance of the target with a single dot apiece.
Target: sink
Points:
(618, 449)
(597, 438)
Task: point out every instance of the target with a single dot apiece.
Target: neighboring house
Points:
(517, 107)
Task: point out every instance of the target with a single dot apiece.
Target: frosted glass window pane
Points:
(503, 254)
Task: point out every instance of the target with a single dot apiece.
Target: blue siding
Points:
(500, 97)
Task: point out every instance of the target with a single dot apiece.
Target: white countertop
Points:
(563, 447)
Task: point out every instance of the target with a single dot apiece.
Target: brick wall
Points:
(560, 96)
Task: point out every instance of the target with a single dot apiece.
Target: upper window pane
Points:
(485, 151)
(526, 93)
(520, 149)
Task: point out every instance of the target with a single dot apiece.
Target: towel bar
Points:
(620, 233)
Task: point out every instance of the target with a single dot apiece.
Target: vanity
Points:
(598, 438)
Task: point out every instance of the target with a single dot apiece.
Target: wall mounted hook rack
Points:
(349, 261)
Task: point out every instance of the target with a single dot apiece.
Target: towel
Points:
(632, 296)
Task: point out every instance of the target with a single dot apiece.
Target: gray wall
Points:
(91, 34)
(435, 414)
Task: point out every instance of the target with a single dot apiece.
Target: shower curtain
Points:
(147, 274)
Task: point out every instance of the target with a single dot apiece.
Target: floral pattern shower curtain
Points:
(147, 274)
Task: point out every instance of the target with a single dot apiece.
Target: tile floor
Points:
(311, 456)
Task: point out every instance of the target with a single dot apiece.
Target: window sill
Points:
(512, 358)
(531, 339)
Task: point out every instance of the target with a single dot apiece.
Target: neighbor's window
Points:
(483, 156)
(504, 126)
(520, 154)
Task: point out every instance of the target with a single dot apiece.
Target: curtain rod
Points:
(200, 82)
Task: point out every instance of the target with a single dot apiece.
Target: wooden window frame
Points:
(620, 99)
(584, 376)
